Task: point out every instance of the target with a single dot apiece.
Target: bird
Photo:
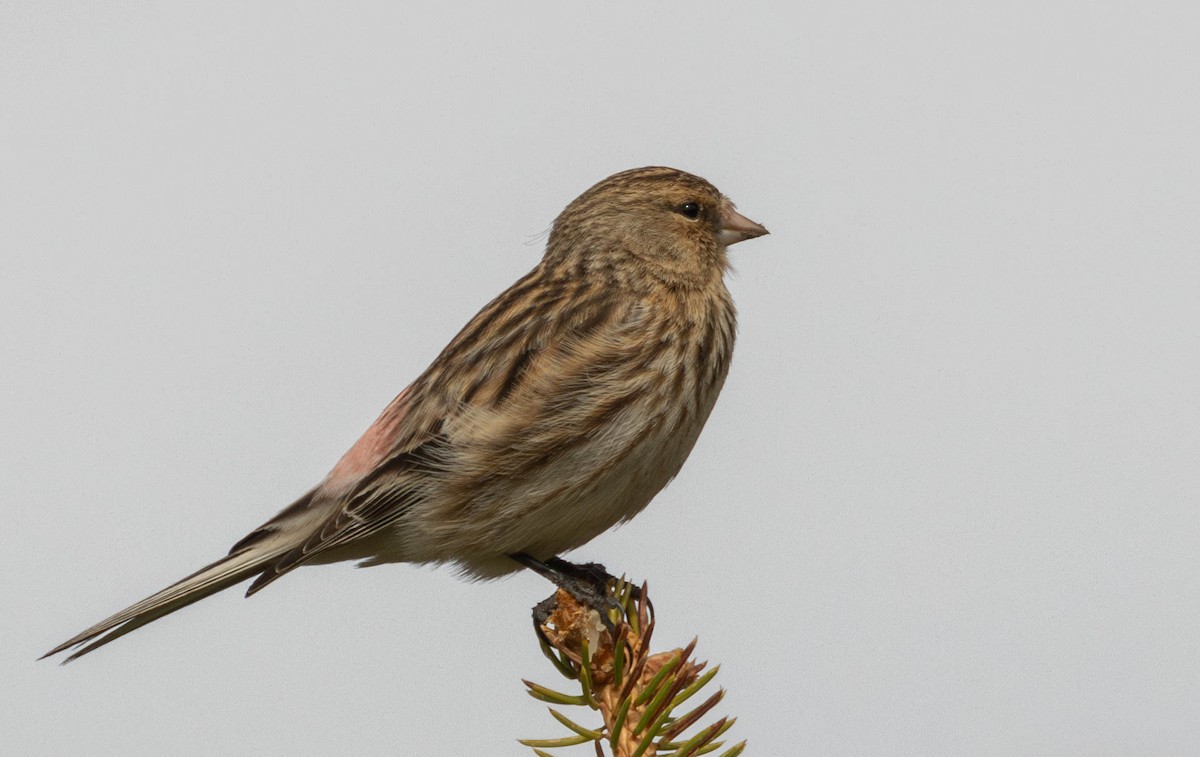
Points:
(559, 411)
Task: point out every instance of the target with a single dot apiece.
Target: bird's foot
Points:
(589, 583)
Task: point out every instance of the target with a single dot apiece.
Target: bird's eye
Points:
(690, 209)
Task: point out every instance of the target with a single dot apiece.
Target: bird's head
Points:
(675, 227)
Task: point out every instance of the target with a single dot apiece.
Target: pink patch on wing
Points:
(372, 447)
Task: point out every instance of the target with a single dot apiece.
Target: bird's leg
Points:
(589, 572)
(587, 582)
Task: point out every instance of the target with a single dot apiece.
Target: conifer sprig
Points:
(645, 700)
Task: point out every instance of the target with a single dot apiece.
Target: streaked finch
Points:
(560, 410)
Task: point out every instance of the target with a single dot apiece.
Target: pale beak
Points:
(736, 227)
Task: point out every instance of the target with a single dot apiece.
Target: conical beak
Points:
(736, 227)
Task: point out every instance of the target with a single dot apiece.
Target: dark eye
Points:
(690, 209)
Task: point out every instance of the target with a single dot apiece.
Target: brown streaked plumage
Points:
(558, 411)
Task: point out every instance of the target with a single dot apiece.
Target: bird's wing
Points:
(378, 501)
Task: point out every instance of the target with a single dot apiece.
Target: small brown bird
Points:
(560, 410)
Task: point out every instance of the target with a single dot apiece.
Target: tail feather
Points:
(222, 574)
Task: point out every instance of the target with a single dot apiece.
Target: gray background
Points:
(946, 505)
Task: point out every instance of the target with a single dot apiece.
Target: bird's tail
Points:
(229, 570)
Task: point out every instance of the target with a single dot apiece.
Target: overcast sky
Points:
(946, 504)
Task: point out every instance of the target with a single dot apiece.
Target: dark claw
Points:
(541, 613)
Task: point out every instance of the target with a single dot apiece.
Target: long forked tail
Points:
(210, 579)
